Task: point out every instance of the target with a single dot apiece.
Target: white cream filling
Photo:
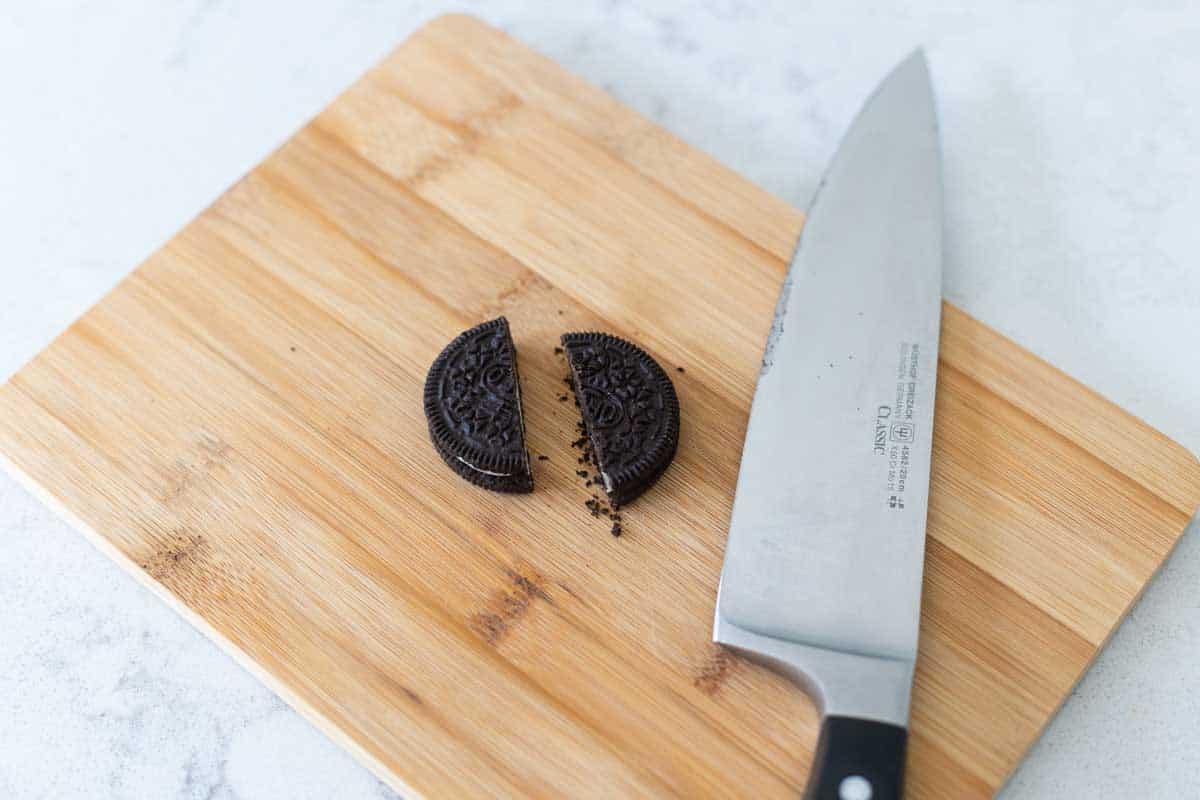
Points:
(484, 471)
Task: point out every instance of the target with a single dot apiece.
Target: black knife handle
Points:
(857, 759)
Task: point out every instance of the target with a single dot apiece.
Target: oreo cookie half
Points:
(630, 411)
(473, 406)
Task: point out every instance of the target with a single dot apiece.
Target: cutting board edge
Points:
(244, 660)
(1194, 520)
(1189, 508)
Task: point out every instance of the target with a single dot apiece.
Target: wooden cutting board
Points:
(239, 423)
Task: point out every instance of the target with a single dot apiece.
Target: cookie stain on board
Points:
(525, 285)
(509, 605)
(211, 453)
(525, 282)
(490, 626)
(566, 588)
(529, 586)
(715, 670)
(184, 551)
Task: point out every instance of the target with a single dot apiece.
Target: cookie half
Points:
(630, 411)
(473, 406)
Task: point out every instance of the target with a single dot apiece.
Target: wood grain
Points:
(240, 424)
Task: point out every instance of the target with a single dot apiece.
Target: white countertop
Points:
(1071, 141)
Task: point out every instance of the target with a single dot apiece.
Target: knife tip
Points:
(916, 59)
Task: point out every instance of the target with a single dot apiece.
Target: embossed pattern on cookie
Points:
(630, 411)
(473, 406)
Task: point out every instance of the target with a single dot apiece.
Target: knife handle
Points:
(857, 759)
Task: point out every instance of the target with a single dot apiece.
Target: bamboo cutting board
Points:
(240, 424)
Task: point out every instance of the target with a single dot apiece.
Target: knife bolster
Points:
(841, 684)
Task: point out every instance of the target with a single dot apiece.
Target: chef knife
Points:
(822, 574)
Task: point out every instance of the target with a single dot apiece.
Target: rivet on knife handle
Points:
(857, 759)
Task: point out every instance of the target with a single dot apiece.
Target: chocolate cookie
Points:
(473, 405)
(630, 411)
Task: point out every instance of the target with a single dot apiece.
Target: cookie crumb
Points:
(543, 458)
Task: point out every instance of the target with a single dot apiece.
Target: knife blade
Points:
(823, 565)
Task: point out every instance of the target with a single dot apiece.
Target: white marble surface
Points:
(1071, 133)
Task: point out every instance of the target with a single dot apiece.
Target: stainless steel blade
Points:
(823, 564)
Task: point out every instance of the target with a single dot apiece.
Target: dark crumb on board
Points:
(616, 529)
(599, 508)
(293, 348)
(558, 351)
(543, 458)
(562, 398)
(560, 312)
(583, 473)
(580, 442)
(679, 369)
